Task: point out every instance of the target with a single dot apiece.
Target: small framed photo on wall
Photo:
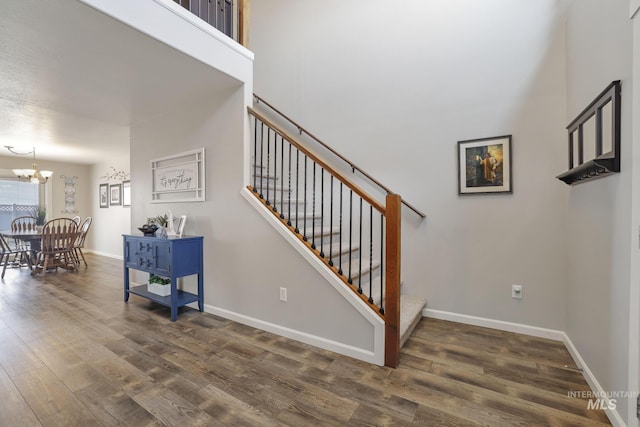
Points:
(103, 195)
(484, 165)
(126, 193)
(115, 194)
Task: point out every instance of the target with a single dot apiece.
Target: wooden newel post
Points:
(243, 22)
(392, 280)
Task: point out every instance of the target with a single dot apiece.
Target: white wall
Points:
(246, 260)
(109, 224)
(56, 187)
(600, 232)
(395, 88)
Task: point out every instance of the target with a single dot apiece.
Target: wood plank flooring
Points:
(72, 353)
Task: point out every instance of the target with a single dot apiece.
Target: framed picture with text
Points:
(103, 195)
(484, 165)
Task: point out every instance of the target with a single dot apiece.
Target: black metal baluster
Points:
(340, 240)
(289, 190)
(281, 177)
(350, 280)
(382, 259)
(304, 212)
(360, 252)
(313, 209)
(331, 222)
(275, 170)
(261, 157)
(322, 211)
(255, 153)
(297, 185)
(268, 163)
(370, 254)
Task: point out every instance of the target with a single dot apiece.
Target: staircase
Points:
(353, 234)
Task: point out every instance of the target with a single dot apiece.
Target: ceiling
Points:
(72, 80)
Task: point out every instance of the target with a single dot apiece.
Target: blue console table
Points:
(172, 258)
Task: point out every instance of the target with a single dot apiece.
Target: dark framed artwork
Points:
(484, 165)
(103, 195)
(126, 193)
(115, 194)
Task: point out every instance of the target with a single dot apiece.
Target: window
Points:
(17, 198)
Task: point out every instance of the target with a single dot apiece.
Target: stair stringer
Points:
(377, 355)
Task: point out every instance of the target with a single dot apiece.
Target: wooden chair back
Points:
(58, 235)
(82, 232)
(23, 224)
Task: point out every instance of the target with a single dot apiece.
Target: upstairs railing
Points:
(228, 16)
(355, 236)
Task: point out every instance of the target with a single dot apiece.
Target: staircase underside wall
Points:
(361, 333)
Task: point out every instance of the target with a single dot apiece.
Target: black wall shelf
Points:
(604, 163)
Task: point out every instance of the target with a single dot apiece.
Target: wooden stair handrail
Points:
(359, 191)
(340, 156)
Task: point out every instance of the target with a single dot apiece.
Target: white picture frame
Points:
(180, 228)
(178, 178)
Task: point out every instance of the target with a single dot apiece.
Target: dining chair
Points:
(17, 256)
(58, 237)
(76, 219)
(21, 224)
(79, 242)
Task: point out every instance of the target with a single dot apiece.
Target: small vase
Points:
(39, 228)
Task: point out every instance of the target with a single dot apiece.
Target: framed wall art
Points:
(103, 195)
(178, 178)
(115, 194)
(484, 165)
(126, 193)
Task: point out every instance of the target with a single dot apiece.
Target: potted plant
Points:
(40, 214)
(159, 285)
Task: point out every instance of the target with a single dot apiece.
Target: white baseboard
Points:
(104, 254)
(552, 334)
(337, 347)
(519, 328)
(613, 414)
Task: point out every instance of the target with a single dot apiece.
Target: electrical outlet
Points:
(516, 291)
(283, 294)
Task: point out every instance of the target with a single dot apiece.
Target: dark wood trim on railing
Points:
(340, 156)
(392, 282)
(360, 192)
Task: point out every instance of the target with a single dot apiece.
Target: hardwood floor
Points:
(72, 353)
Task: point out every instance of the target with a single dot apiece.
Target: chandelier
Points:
(30, 175)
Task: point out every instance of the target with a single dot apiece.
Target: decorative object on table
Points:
(160, 220)
(148, 230)
(178, 178)
(182, 219)
(40, 214)
(126, 194)
(69, 194)
(115, 194)
(484, 165)
(159, 285)
(103, 195)
(30, 175)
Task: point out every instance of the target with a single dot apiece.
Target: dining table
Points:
(33, 237)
